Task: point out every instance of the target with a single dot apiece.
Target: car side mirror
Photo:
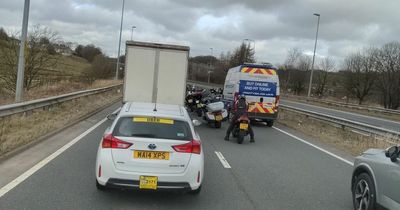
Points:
(392, 153)
(196, 123)
(112, 116)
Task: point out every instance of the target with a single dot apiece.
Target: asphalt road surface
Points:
(276, 172)
(375, 121)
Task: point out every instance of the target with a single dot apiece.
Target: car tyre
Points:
(270, 123)
(196, 191)
(100, 187)
(364, 192)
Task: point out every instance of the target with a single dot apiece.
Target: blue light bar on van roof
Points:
(257, 65)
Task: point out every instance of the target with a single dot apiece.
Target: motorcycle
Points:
(199, 107)
(214, 113)
(241, 128)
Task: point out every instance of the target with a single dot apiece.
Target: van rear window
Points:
(151, 127)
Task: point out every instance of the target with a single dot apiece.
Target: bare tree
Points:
(326, 66)
(387, 63)
(293, 56)
(360, 75)
(298, 78)
(38, 57)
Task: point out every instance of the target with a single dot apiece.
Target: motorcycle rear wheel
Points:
(240, 136)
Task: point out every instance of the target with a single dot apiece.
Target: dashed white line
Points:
(42, 163)
(316, 147)
(222, 159)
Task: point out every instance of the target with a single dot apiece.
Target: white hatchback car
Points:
(151, 148)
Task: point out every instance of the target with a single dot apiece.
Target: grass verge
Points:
(394, 117)
(24, 128)
(345, 139)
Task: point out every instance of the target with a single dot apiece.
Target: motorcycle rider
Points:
(240, 108)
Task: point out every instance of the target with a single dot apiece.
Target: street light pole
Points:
(133, 27)
(212, 52)
(119, 43)
(313, 59)
(19, 89)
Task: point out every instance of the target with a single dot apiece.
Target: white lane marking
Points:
(316, 147)
(345, 112)
(45, 161)
(222, 159)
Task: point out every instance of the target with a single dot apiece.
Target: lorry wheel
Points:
(240, 137)
(270, 123)
(218, 124)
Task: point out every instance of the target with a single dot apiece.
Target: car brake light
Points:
(193, 146)
(109, 141)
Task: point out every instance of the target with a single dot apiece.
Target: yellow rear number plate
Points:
(148, 182)
(244, 126)
(218, 117)
(151, 155)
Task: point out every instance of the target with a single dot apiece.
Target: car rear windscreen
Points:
(151, 127)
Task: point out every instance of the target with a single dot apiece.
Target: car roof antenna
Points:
(155, 102)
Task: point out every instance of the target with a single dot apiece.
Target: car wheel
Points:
(99, 186)
(364, 193)
(196, 191)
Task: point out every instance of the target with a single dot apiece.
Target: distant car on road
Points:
(376, 179)
(149, 147)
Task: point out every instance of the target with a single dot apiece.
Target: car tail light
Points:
(193, 146)
(109, 141)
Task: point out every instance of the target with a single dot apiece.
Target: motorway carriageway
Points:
(279, 171)
(375, 121)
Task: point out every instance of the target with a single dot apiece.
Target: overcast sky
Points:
(275, 25)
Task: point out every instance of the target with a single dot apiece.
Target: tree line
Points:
(372, 73)
(199, 66)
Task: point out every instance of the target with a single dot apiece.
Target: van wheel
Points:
(270, 123)
(218, 124)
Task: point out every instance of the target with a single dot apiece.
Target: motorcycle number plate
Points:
(244, 126)
(218, 117)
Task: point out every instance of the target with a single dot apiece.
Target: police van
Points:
(260, 84)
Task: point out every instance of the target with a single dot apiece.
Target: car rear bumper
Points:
(134, 184)
(110, 176)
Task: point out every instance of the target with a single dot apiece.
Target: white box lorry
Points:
(155, 73)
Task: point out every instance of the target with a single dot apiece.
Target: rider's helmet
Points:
(242, 97)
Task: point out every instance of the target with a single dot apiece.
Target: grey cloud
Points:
(275, 25)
